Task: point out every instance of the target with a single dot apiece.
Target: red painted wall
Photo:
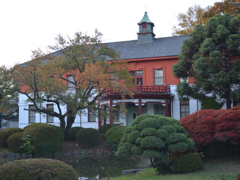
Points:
(148, 65)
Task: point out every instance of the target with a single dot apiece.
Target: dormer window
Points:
(70, 83)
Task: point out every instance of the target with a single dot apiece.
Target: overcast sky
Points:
(30, 24)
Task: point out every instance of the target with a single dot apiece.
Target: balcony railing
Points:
(144, 89)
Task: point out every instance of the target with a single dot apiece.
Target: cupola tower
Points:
(145, 34)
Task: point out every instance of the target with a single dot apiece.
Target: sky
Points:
(26, 25)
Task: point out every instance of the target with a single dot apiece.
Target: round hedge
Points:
(103, 129)
(45, 138)
(72, 133)
(88, 137)
(4, 135)
(187, 163)
(34, 169)
(114, 135)
(14, 142)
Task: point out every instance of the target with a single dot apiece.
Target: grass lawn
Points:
(219, 169)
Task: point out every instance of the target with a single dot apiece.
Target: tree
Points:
(8, 97)
(198, 15)
(228, 6)
(215, 131)
(154, 137)
(210, 57)
(92, 69)
(187, 22)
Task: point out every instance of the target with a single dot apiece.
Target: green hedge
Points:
(4, 135)
(35, 169)
(210, 103)
(15, 141)
(45, 138)
(88, 137)
(114, 135)
(72, 133)
(103, 129)
(187, 163)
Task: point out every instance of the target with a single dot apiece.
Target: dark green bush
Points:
(210, 103)
(72, 133)
(154, 137)
(187, 163)
(14, 142)
(4, 135)
(114, 135)
(132, 137)
(88, 137)
(45, 138)
(34, 169)
(103, 129)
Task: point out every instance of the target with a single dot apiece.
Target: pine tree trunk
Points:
(228, 101)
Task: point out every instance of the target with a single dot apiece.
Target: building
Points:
(150, 62)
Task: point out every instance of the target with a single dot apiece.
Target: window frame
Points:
(48, 116)
(136, 77)
(70, 85)
(29, 114)
(184, 104)
(159, 106)
(160, 77)
(92, 113)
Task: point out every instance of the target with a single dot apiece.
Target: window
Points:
(31, 114)
(114, 79)
(70, 83)
(158, 77)
(92, 115)
(159, 109)
(184, 108)
(116, 114)
(50, 118)
(138, 77)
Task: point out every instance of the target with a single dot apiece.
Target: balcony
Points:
(144, 89)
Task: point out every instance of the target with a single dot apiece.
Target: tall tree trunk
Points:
(228, 101)
(70, 121)
(62, 124)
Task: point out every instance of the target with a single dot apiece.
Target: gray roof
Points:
(161, 47)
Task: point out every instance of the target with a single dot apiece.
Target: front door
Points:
(133, 112)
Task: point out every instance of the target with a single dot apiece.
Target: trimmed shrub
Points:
(187, 163)
(4, 135)
(156, 137)
(88, 137)
(114, 135)
(14, 142)
(45, 138)
(34, 169)
(210, 103)
(214, 130)
(103, 129)
(72, 133)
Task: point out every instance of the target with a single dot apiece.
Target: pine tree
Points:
(211, 56)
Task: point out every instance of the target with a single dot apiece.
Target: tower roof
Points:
(145, 19)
